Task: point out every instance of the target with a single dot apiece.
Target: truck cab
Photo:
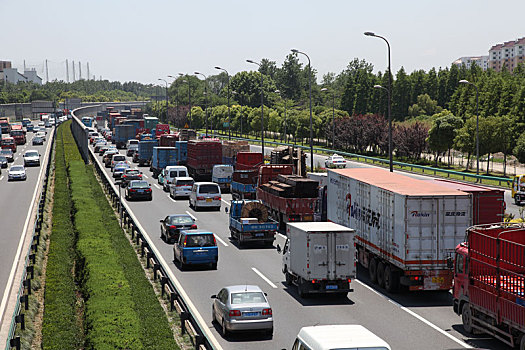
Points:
(518, 189)
(460, 286)
(222, 175)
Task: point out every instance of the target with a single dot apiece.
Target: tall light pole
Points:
(229, 120)
(333, 116)
(389, 91)
(166, 98)
(310, 94)
(205, 99)
(477, 123)
(262, 106)
(284, 99)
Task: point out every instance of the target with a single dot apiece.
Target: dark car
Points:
(3, 162)
(130, 175)
(37, 140)
(8, 154)
(118, 170)
(139, 189)
(171, 226)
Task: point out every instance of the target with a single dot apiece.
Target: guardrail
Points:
(191, 322)
(481, 179)
(24, 291)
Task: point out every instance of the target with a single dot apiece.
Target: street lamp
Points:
(310, 93)
(205, 99)
(262, 106)
(285, 134)
(229, 121)
(477, 122)
(166, 98)
(389, 91)
(333, 116)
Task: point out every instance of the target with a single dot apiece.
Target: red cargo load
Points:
(168, 140)
(488, 204)
(202, 156)
(161, 129)
(268, 173)
(248, 160)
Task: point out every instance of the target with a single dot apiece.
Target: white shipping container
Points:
(413, 224)
(321, 250)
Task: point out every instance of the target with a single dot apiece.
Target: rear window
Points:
(139, 184)
(132, 172)
(205, 240)
(209, 188)
(133, 142)
(248, 298)
(119, 157)
(178, 173)
(181, 220)
(184, 183)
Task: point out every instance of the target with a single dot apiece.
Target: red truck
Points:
(168, 140)
(17, 133)
(248, 160)
(161, 129)
(202, 156)
(8, 143)
(4, 125)
(489, 282)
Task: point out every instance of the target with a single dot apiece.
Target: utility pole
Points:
(73, 65)
(24, 65)
(67, 71)
(47, 73)
(88, 71)
(79, 71)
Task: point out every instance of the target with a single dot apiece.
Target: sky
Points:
(131, 40)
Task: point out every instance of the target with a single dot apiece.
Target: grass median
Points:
(121, 310)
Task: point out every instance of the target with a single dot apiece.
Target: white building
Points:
(11, 75)
(480, 61)
(508, 54)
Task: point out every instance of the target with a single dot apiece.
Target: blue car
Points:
(196, 247)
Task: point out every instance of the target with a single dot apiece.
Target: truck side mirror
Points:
(278, 248)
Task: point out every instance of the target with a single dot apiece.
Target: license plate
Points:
(251, 314)
(208, 200)
(438, 280)
(140, 191)
(259, 235)
(331, 286)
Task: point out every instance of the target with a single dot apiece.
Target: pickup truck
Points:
(249, 223)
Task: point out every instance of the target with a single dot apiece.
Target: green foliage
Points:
(443, 131)
(519, 150)
(424, 106)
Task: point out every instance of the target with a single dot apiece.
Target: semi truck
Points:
(406, 229)
(202, 156)
(244, 184)
(489, 282)
(17, 133)
(122, 134)
(222, 174)
(4, 125)
(249, 222)
(145, 152)
(161, 158)
(319, 257)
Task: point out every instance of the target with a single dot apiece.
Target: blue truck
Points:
(161, 158)
(145, 152)
(182, 152)
(243, 191)
(222, 174)
(123, 133)
(249, 222)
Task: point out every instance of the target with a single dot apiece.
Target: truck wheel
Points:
(301, 289)
(288, 278)
(466, 318)
(381, 274)
(372, 270)
(391, 279)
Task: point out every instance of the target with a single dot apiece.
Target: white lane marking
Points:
(157, 186)
(10, 280)
(1, 178)
(146, 176)
(264, 277)
(220, 240)
(193, 217)
(412, 313)
(16, 158)
(225, 202)
(173, 200)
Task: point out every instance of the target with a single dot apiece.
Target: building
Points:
(480, 61)
(11, 75)
(509, 55)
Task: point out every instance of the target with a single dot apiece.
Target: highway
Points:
(15, 202)
(405, 321)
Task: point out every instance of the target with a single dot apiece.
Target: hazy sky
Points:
(145, 40)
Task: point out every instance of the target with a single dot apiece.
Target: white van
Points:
(171, 172)
(348, 337)
(181, 187)
(205, 195)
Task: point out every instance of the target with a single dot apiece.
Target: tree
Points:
(443, 131)
(401, 96)
(290, 78)
(424, 106)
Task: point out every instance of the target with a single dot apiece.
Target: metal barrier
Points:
(24, 291)
(488, 180)
(191, 321)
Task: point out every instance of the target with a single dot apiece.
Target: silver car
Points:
(16, 172)
(242, 308)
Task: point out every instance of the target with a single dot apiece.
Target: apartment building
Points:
(468, 61)
(509, 55)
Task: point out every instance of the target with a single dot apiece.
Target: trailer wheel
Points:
(391, 279)
(372, 270)
(466, 318)
(381, 274)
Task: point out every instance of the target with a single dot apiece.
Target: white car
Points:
(205, 195)
(335, 161)
(31, 157)
(181, 187)
(16, 172)
(41, 134)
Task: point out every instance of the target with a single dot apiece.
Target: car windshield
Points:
(140, 184)
(205, 240)
(180, 219)
(17, 168)
(209, 189)
(247, 298)
(32, 154)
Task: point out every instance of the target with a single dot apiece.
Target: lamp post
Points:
(389, 91)
(285, 134)
(176, 98)
(477, 123)
(229, 121)
(262, 106)
(205, 99)
(333, 116)
(166, 98)
(310, 94)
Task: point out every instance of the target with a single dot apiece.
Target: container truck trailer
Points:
(406, 229)
(202, 156)
(161, 158)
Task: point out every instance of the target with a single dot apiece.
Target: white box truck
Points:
(319, 257)
(406, 229)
